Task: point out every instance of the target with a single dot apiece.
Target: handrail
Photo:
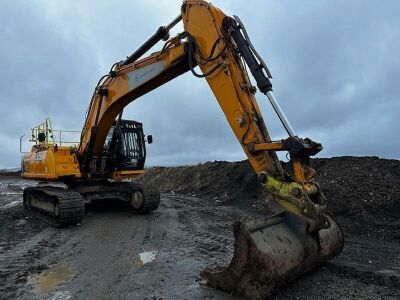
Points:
(45, 135)
(20, 143)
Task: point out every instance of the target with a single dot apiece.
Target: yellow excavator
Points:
(268, 252)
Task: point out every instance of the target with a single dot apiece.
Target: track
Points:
(61, 206)
(70, 205)
(119, 255)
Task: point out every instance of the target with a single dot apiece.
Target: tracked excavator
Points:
(268, 252)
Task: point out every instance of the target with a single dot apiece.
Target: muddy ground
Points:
(114, 254)
(363, 192)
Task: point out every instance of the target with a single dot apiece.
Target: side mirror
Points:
(149, 139)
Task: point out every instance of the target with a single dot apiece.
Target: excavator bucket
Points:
(271, 253)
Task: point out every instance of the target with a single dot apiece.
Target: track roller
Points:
(145, 199)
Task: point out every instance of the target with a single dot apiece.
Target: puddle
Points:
(50, 279)
(145, 257)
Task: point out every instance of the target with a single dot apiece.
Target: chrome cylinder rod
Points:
(281, 114)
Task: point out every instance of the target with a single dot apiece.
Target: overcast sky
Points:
(336, 68)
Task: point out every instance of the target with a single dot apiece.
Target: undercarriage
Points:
(64, 205)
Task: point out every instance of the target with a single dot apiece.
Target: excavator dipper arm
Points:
(268, 252)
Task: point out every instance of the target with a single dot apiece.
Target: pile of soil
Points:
(222, 181)
(363, 192)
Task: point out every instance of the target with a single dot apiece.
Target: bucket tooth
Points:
(271, 253)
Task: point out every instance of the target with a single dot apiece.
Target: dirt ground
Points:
(114, 254)
(363, 192)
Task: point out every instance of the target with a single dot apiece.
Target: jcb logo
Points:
(39, 156)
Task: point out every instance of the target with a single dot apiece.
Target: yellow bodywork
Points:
(126, 174)
(55, 163)
(50, 160)
(50, 163)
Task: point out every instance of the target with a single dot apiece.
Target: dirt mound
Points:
(361, 183)
(8, 173)
(363, 192)
(226, 182)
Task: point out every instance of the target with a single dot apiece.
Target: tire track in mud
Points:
(24, 240)
(24, 259)
(109, 245)
(190, 221)
(201, 240)
(199, 234)
(205, 232)
(154, 233)
(103, 247)
(179, 234)
(187, 234)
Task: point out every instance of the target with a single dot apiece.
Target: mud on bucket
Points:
(272, 252)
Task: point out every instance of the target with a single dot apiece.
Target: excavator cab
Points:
(124, 147)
